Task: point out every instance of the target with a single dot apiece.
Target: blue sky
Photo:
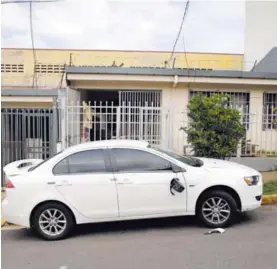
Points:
(211, 26)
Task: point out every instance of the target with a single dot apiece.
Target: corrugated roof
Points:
(268, 63)
(168, 72)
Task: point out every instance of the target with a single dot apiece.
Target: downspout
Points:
(171, 112)
(175, 81)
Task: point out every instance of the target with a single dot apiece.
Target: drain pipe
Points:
(171, 114)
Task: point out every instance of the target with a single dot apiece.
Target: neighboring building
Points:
(78, 96)
(260, 31)
(17, 65)
(125, 91)
(19, 72)
(131, 102)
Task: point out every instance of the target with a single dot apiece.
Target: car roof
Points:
(109, 143)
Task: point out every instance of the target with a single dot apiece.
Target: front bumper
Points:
(251, 198)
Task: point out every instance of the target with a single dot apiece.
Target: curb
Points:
(269, 199)
(4, 223)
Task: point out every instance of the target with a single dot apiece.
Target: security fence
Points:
(34, 133)
(29, 133)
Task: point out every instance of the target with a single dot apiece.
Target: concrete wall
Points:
(265, 139)
(174, 105)
(260, 30)
(101, 58)
(26, 102)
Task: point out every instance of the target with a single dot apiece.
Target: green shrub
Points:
(270, 187)
(215, 128)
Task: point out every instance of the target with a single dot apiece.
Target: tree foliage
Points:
(215, 128)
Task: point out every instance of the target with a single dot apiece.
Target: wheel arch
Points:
(225, 188)
(46, 202)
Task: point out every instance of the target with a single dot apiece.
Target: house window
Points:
(238, 100)
(12, 68)
(49, 68)
(269, 112)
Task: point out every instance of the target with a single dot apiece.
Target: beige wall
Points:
(175, 99)
(101, 58)
(26, 102)
(265, 139)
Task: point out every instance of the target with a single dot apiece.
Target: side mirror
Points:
(176, 186)
(177, 169)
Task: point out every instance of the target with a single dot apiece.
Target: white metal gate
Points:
(140, 123)
(102, 120)
(28, 133)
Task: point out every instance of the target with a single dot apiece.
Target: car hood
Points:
(209, 163)
(20, 167)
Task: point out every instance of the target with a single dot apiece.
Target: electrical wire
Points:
(33, 45)
(27, 1)
(180, 30)
(185, 52)
(35, 77)
(63, 73)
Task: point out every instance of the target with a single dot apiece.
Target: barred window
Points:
(269, 112)
(238, 100)
(49, 68)
(12, 68)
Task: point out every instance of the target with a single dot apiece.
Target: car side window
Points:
(133, 160)
(90, 161)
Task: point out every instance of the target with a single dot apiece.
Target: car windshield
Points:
(36, 166)
(184, 159)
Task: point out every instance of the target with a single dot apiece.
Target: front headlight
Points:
(252, 181)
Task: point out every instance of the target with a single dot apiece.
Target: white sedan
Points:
(117, 180)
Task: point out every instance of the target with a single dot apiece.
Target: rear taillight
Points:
(9, 184)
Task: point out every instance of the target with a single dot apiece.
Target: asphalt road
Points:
(159, 244)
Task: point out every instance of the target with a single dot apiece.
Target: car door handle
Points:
(64, 183)
(125, 181)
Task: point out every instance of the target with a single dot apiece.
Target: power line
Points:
(27, 1)
(180, 29)
(185, 52)
(33, 45)
(35, 78)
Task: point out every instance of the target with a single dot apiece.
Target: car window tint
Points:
(91, 161)
(139, 161)
(62, 167)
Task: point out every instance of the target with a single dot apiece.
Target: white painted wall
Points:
(73, 115)
(260, 30)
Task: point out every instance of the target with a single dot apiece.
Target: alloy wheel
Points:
(216, 210)
(52, 222)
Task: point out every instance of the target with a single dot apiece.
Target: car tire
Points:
(217, 209)
(53, 221)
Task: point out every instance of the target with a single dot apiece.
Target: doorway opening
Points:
(110, 114)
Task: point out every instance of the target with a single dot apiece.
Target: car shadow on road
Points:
(161, 224)
(137, 225)
(140, 226)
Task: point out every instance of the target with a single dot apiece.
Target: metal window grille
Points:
(237, 100)
(12, 68)
(140, 98)
(269, 111)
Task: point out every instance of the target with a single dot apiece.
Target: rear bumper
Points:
(10, 215)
